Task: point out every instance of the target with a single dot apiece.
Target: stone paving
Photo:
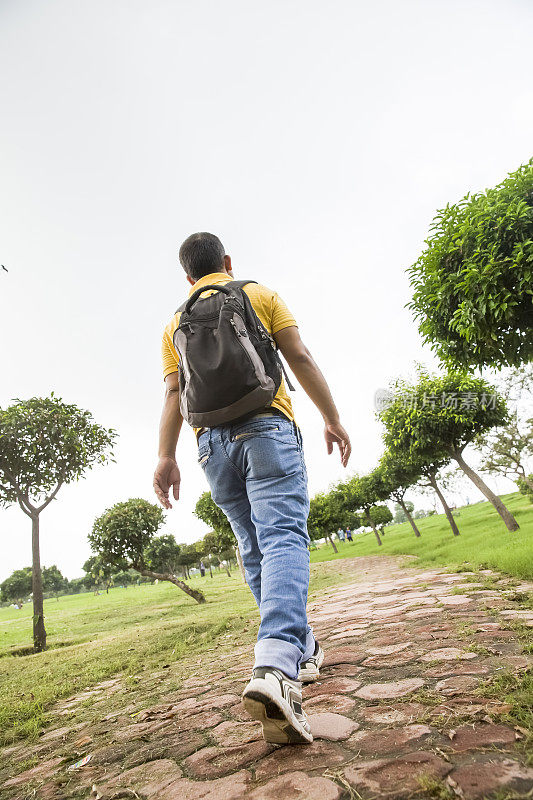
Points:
(397, 712)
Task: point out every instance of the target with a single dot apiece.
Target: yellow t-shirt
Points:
(268, 306)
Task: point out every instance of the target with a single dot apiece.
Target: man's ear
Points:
(191, 280)
(227, 265)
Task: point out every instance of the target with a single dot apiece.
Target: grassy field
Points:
(140, 629)
(484, 542)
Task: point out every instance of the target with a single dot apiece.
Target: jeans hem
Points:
(279, 654)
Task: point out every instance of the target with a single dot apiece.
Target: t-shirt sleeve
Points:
(169, 355)
(280, 314)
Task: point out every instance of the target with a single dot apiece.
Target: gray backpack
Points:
(229, 365)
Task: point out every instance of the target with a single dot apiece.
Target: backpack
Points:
(229, 365)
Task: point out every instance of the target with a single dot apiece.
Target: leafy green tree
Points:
(124, 578)
(323, 518)
(207, 510)
(430, 478)
(399, 476)
(188, 556)
(508, 450)
(217, 544)
(399, 516)
(439, 416)
(77, 585)
(99, 572)
(53, 581)
(525, 488)
(17, 587)
(162, 553)
(473, 287)
(361, 493)
(45, 443)
(381, 516)
(122, 535)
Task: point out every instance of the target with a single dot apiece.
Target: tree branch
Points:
(22, 497)
(23, 507)
(49, 499)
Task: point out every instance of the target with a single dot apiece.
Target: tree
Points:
(435, 420)
(399, 516)
(77, 585)
(216, 544)
(17, 587)
(99, 572)
(45, 443)
(323, 518)
(122, 536)
(226, 543)
(473, 287)
(508, 450)
(53, 581)
(399, 475)
(361, 493)
(380, 516)
(429, 472)
(525, 488)
(187, 557)
(163, 554)
(124, 578)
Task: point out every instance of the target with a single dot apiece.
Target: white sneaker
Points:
(310, 669)
(276, 701)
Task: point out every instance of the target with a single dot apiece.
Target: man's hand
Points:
(335, 433)
(167, 474)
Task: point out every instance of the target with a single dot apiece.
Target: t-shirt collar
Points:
(213, 277)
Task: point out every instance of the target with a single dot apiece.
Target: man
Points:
(255, 468)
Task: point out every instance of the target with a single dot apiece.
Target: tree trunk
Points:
(501, 508)
(167, 576)
(39, 632)
(332, 544)
(446, 507)
(371, 523)
(409, 517)
(226, 567)
(210, 568)
(239, 562)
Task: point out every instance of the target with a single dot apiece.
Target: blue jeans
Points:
(257, 476)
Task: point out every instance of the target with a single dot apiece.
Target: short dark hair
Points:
(202, 253)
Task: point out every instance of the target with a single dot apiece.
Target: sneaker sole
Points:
(280, 725)
(311, 677)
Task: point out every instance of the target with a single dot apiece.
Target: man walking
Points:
(253, 460)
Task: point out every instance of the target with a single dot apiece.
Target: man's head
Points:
(203, 253)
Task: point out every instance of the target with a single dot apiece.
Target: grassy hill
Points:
(485, 542)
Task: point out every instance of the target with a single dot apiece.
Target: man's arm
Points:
(314, 384)
(167, 473)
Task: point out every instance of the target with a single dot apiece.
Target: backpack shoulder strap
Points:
(240, 284)
(234, 285)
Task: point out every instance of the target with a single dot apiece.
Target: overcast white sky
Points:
(315, 139)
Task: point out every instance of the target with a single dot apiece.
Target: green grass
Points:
(128, 632)
(485, 542)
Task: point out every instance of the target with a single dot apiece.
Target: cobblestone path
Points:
(398, 711)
